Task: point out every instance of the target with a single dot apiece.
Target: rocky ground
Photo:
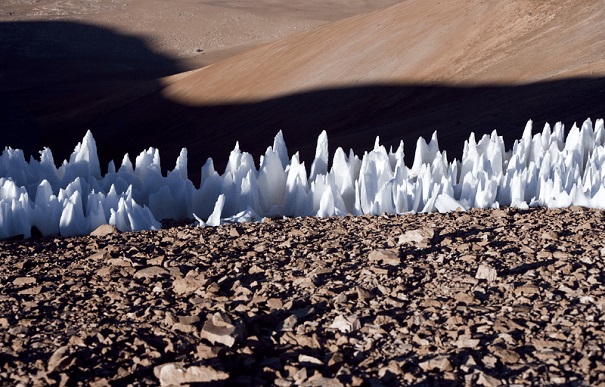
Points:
(466, 298)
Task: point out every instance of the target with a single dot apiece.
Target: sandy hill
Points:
(415, 42)
(401, 72)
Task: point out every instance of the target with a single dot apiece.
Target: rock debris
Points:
(465, 298)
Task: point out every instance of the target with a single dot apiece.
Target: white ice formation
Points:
(546, 169)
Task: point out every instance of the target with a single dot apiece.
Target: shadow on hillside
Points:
(127, 113)
(49, 68)
(353, 117)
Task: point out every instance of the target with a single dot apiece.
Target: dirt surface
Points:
(473, 43)
(196, 33)
(485, 297)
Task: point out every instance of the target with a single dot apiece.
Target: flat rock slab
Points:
(151, 272)
(173, 374)
(220, 329)
(104, 230)
(486, 272)
(386, 256)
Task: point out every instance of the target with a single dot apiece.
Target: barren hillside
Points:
(415, 42)
(400, 72)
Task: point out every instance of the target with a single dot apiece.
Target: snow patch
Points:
(545, 169)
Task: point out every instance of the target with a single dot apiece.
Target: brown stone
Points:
(151, 272)
(421, 236)
(309, 359)
(439, 363)
(189, 284)
(467, 342)
(487, 380)
(59, 359)
(171, 374)
(219, 328)
(35, 290)
(104, 230)
(275, 303)
(20, 281)
(345, 324)
(486, 272)
(386, 256)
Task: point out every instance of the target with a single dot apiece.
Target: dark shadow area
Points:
(56, 68)
(525, 267)
(353, 117)
(123, 105)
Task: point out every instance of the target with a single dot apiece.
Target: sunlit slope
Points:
(400, 73)
(416, 41)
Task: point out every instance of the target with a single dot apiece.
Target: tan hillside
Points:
(400, 72)
(416, 41)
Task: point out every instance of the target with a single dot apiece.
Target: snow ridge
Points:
(545, 169)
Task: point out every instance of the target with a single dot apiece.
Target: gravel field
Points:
(484, 297)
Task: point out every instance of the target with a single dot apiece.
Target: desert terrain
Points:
(483, 297)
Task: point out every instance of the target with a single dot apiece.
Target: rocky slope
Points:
(483, 297)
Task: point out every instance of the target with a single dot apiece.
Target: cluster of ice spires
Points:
(546, 169)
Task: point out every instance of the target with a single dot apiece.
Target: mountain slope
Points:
(416, 41)
(401, 72)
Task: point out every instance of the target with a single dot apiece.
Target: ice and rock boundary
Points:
(546, 169)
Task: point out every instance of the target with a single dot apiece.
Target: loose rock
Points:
(104, 230)
(220, 329)
(486, 272)
(174, 374)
